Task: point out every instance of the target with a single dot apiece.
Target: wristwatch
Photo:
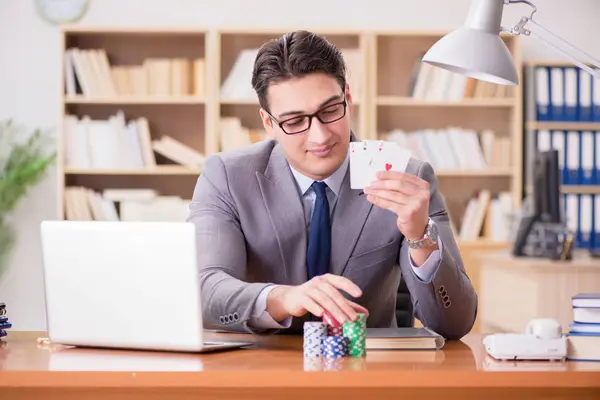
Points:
(429, 239)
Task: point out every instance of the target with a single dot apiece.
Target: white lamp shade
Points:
(475, 53)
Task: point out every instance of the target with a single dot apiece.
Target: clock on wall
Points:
(62, 11)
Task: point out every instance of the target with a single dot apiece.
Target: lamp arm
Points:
(575, 55)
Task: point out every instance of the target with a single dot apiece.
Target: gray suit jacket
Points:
(251, 232)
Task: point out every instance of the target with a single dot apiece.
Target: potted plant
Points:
(24, 159)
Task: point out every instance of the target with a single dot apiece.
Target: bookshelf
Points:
(192, 86)
(562, 112)
(134, 117)
(471, 132)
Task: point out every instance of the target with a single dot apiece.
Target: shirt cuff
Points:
(261, 319)
(426, 271)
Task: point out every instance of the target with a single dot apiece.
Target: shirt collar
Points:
(333, 181)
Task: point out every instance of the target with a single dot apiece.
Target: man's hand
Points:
(316, 296)
(405, 195)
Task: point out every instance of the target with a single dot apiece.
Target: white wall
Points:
(30, 57)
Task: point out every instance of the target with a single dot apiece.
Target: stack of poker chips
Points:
(4, 324)
(356, 332)
(331, 340)
(314, 334)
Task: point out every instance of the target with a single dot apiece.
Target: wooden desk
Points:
(274, 368)
(512, 290)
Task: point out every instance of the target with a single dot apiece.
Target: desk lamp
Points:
(476, 49)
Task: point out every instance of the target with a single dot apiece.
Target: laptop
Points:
(125, 285)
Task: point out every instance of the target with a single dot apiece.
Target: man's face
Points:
(316, 152)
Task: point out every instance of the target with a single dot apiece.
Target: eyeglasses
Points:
(302, 123)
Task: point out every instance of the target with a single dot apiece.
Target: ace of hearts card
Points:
(368, 157)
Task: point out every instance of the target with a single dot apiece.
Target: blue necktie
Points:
(319, 236)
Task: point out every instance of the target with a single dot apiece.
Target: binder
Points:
(585, 96)
(571, 89)
(585, 220)
(557, 94)
(596, 223)
(586, 165)
(573, 150)
(571, 205)
(596, 100)
(542, 93)
(596, 156)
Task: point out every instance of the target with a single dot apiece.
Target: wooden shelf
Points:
(146, 100)
(476, 173)
(159, 170)
(563, 126)
(483, 244)
(580, 189)
(412, 102)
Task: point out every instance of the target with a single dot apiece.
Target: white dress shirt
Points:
(261, 319)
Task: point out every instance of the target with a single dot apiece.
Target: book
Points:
(583, 338)
(403, 339)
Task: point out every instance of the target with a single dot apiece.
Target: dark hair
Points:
(295, 54)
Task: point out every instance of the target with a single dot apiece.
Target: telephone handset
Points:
(542, 340)
(544, 328)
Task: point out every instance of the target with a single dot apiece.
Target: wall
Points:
(29, 70)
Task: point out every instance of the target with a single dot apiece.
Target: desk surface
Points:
(274, 367)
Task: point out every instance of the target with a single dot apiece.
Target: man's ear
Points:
(349, 98)
(267, 123)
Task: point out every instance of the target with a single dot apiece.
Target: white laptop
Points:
(128, 285)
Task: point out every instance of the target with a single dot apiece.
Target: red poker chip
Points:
(335, 331)
(330, 320)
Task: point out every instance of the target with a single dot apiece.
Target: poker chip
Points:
(333, 326)
(335, 347)
(335, 331)
(330, 320)
(356, 333)
(314, 334)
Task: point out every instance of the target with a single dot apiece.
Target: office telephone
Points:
(542, 340)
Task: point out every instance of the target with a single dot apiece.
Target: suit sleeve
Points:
(227, 300)
(447, 302)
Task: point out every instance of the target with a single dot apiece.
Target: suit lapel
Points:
(284, 206)
(349, 217)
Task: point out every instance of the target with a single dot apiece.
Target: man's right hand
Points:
(316, 296)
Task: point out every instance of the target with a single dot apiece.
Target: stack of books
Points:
(583, 338)
(4, 324)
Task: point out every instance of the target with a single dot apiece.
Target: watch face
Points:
(433, 231)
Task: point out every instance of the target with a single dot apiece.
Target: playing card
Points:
(370, 156)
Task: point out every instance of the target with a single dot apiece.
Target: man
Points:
(274, 249)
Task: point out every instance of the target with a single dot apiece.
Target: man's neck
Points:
(334, 180)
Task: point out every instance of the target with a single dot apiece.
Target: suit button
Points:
(446, 298)
(441, 289)
(236, 316)
(447, 304)
(222, 319)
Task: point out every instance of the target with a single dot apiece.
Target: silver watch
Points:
(429, 239)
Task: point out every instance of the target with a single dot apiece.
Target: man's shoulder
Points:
(244, 160)
(420, 168)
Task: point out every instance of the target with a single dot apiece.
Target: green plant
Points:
(24, 158)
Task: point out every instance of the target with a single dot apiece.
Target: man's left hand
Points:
(407, 196)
